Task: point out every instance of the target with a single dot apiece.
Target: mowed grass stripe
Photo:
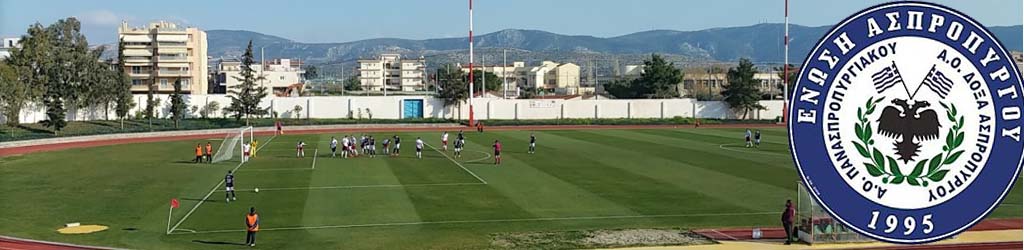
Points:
(357, 205)
(565, 159)
(774, 154)
(770, 169)
(664, 164)
(537, 193)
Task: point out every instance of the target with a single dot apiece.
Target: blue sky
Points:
(341, 21)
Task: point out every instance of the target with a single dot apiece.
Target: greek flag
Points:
(887, 78)
(938, 83)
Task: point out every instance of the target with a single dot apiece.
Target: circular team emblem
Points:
(905, 122)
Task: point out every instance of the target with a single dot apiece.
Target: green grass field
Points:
(578, 180)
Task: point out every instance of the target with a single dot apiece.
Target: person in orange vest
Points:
(252, 224)
(209, 153)
(199, 153)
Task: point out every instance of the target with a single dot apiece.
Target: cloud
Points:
(99, 17)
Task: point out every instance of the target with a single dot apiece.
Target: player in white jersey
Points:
(419, 148)
(300, 149)
(444, 141)
(334, 146)
(749, 144)
(344, 146)
(246, 150)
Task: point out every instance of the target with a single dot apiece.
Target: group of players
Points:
(366, 145)
(756, 142)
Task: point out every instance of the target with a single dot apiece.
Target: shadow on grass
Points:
(218, 243)
(35, 130)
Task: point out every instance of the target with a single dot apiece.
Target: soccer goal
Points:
(233, 143)
(816, 226)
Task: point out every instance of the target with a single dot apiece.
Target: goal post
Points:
(817, 226)
(233, 142)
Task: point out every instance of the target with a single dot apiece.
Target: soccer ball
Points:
(256, 190)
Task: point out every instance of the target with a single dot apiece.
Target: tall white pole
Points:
(785, 67)
(504, 70)
(471, 63)
(483, 76)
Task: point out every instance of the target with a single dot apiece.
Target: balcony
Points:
(171, 44)
(172, 59)
(174, 73)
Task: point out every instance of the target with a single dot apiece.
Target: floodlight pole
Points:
(470, 62)
(785, 67)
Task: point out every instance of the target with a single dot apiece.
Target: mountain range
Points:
(761, 43)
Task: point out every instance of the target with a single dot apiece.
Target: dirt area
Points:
(598, 239)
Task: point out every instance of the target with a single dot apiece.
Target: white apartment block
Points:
(162, 53)
(390, 72)
(562, 78)
(278, 75)
(7, 45)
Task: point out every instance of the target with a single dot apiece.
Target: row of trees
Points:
(55, 67)
(660, 79)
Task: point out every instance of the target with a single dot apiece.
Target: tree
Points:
(12, 94)
(793, 72)
(452, 86)
(30, 62)
(67, 74)
(660, 79)
(124, 101)
(177, 104)
(352, 84)
(311, 72)
(493, 81)
(742, 92)
(209, 109)
(297, 111)
(246, 96)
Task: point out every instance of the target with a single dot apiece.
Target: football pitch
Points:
(577, 180)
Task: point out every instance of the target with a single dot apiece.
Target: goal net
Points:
(816, 226)
(232, 145)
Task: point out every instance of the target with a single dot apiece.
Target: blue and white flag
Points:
(887, 78)
(938, 83)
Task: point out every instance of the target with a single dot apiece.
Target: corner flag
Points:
(174, 203)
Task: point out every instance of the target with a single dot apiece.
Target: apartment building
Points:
(391, 72)
(561, 78)
(162, 53)
(8, 44)
(279, 75)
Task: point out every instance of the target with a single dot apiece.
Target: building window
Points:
(136, 70)
(163, 83)
(136, 82)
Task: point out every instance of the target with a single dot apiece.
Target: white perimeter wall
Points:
(390, 107)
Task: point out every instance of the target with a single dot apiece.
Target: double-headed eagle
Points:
(905, 122)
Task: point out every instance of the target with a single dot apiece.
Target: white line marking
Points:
(723, 234)
(273, 169)
(214, 189)
(723, 146)
(315, 151)
(365, 186)
(457, 163)
(481, 159)
(490, 221)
